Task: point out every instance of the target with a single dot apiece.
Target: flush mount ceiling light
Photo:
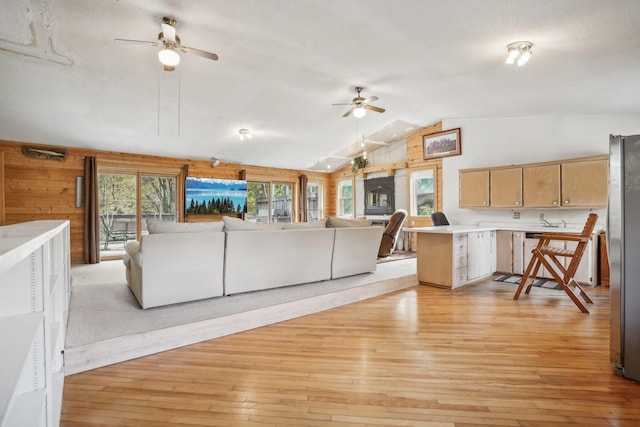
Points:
(244, 134)
(519, 52)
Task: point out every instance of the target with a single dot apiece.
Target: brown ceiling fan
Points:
(170, 43)
(360, 105)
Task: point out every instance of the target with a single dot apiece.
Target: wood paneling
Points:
(44, 189)
(2, 188)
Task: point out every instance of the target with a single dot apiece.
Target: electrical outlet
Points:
(541, 217)
(516, 215)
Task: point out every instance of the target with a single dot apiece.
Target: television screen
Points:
(215, 196)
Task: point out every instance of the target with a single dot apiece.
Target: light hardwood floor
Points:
(417, 357)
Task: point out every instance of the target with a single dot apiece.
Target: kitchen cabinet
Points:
(587, 269)
(454, 256)
(479, 255)
(541, 186)
(509, 251)
(34, 297)
(573, 183)
(474, 188)
(585, 184)
(506, 188)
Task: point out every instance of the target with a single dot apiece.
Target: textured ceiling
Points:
(283, 63)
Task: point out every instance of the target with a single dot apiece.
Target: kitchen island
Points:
(454, 255)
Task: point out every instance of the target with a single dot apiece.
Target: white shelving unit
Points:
(34, 300)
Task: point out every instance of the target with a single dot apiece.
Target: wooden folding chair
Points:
(551, 257)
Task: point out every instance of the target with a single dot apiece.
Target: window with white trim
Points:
(314, 202)
(423, 189)
(345, 198)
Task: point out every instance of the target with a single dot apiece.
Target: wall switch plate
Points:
(516, 215)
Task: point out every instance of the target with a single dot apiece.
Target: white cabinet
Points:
(479, 256)
(587, 269)
(34, 295)
(460, 263)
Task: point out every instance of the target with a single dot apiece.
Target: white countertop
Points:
(453, 229)
(449, 229)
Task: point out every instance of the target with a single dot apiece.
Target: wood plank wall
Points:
(37, 189)
(415, 162)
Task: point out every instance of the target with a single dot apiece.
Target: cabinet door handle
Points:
(517, 203)
(566, 202)
(555, 202)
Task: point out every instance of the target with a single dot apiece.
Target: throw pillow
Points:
(298, 225)
(334, 222)
(157, 227)
(236, 224)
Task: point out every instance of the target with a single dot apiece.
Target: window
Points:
(314, 202)
(345, 198)
(423, 192)
(269, 202)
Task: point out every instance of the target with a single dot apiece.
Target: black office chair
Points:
(438, 218)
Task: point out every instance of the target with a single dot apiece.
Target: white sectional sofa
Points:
(179, 262)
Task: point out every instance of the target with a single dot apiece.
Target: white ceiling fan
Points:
(170, 43)
(360, 105)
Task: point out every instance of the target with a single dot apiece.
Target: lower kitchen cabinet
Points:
(451, 259)
(514, 253)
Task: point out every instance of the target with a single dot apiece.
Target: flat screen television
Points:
(215, 196)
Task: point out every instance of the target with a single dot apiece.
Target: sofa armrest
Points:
(355, 250)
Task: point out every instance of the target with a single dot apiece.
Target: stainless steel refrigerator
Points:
(623, 231)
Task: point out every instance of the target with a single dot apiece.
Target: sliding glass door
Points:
(269, 202)
(126, 201)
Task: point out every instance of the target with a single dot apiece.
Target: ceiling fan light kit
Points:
(169, 57)
(170, 43)
(360, 105)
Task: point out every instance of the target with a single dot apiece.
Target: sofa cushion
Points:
(298, 225)
(334, 222)
(158, 227)
(236, 224)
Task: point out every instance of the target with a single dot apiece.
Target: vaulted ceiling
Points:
(283, 63)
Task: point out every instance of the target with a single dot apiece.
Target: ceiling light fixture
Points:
(169, 57)
(519, 52)
(359, 111)
(244, 134)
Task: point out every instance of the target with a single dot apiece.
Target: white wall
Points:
(499, 142)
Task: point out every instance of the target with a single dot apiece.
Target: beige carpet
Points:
(103, 307)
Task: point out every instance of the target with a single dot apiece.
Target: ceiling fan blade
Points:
(168, 32)
(137, 42)
(199, 52)
(371, 99)
(374, 108)
(348, 112)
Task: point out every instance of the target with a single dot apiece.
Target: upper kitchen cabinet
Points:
(506, 188)
(572, 183)
(474, 188)
(541, 186)
(585, 183)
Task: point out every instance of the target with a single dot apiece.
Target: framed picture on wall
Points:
(442, 144)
